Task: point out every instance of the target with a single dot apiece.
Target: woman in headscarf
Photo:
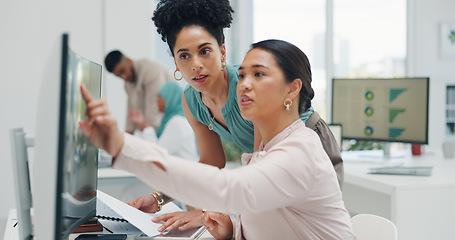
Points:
(174, 133)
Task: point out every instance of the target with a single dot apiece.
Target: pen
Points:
(107, 229)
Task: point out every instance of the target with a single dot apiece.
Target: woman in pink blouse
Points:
(286, 190)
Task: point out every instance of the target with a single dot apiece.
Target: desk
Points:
(121, 184)
(110, 176)
(12, 233)
(421, 207)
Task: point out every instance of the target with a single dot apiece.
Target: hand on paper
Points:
(182, 220)
(218, 224)
(146, 203)
(100, 127)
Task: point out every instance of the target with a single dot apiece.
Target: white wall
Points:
(28, 33)
(130, 29)
(424, 18)
(29, 30)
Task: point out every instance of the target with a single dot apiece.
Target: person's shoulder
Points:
(189, 92)
(233, 72)
(233, 75)
(299, 134)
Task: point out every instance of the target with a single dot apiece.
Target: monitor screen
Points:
(65, 164)
(386, 109)
(77, 158)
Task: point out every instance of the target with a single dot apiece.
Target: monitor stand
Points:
(384, 156)
(386, 150)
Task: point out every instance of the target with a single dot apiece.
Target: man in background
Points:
(143, 80)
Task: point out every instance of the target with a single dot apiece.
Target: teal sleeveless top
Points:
(239, 131)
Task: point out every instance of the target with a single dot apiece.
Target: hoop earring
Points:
(178, 79)
(287, 103)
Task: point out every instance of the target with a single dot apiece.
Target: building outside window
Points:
(369, 38)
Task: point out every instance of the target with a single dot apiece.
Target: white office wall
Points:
(130, 29)
(424, 18)
(28, 31)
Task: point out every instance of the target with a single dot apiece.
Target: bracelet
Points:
(159, 199)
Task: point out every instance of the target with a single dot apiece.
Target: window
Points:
(369, 38)
(301, 23)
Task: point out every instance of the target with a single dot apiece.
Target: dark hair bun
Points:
(172, 15)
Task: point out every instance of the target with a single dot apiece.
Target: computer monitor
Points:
(23, 194)
(66, 163)
(382, 109)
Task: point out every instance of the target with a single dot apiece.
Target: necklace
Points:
(211, 120)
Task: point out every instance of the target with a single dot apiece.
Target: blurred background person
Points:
(143, 80)
(174, 133)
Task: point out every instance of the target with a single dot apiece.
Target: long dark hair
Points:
(171, 16)
(294, 64)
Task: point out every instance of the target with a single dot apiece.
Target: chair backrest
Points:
(372, 227)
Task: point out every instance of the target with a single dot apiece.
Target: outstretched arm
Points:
(100, 127)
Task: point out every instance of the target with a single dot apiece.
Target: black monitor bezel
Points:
(61, 136)
(380, 139)
(59, 232)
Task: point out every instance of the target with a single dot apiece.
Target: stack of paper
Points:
(138, 221)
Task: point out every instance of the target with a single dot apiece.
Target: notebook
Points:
(403, 170)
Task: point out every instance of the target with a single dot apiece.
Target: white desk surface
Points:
(113, 173)
(443, 172)
(116, 177)
(12, 231)
(420, 206)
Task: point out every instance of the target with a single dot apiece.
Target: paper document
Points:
(141, 220)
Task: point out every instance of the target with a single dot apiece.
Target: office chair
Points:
(372, 227)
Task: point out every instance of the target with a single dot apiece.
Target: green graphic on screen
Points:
(368, 131)
(395, 92)
(393, 113)
(395, 132)
(369, 111)
(369, 95)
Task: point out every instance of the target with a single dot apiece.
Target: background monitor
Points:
(23, 194)
(385, 109)
(65, 161)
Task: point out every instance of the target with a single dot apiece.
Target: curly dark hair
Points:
(170, 16)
